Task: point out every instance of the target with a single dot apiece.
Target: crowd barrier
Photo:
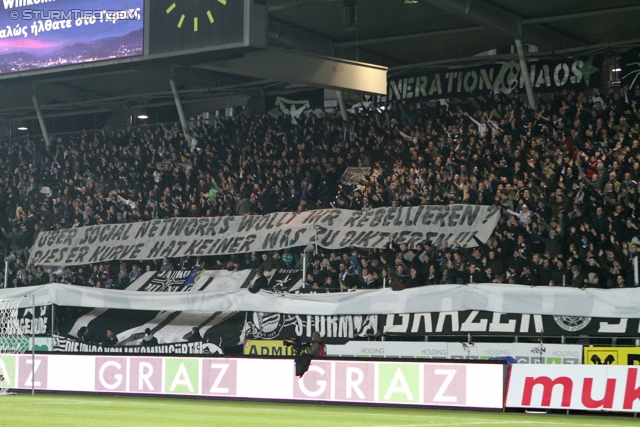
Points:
(469, 385)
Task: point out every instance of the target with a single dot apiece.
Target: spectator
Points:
(259, 283)
(122, 281)
(578, 279)
(195, 336)
(568, 177)
(166, 265)
(84, 335)
(135, 273)
(110, 339)
(149, 340)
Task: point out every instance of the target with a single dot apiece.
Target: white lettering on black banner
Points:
(570, 73)
(69, 345)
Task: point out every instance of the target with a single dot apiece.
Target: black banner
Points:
(70, 345)
(545, 76)
(194, 24)
(220, 329)
(488, 323)
(172, 281)
(41, 322)
(630, 68)
(285, 280)
(332, 329)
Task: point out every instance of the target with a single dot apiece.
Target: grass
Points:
(24, 410)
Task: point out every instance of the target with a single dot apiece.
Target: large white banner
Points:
(330, 228)
(580, 387)
(497, 298)
(375, 383)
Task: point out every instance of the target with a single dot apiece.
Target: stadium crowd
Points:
(566, 177)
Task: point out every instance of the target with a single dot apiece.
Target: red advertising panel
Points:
(581, 387)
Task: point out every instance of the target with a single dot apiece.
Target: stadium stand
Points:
(566, 177)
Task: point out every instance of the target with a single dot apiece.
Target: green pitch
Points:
(24, 410)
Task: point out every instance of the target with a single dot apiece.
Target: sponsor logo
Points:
(578, 387)
(266, 348)
(427, 384)
(572, 323)
(266, 325)
(398, 383)
(611, 356)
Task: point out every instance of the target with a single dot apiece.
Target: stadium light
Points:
(410, 1)
(22, 127)
(143, 116)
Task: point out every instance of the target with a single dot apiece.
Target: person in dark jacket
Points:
(316, 348)
(195, 335)
(260, 282)
(413, 281)
(149, 340)
(561, 275)
(84, 335)
(577, 278)
(110, 340)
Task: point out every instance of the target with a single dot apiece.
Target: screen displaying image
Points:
(58, 33)
(187, 25)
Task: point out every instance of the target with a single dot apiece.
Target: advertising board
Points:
(612, 356)
(522, 352)
(420, 384)
(578, 387)
(266, 348)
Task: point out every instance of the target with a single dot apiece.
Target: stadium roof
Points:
(403, 35)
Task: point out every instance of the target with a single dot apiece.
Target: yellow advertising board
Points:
(266, 348)
(612, 355)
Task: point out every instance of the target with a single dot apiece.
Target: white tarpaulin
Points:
(333, 229)
(546, 300)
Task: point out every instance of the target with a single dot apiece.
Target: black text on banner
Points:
(330, 228)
